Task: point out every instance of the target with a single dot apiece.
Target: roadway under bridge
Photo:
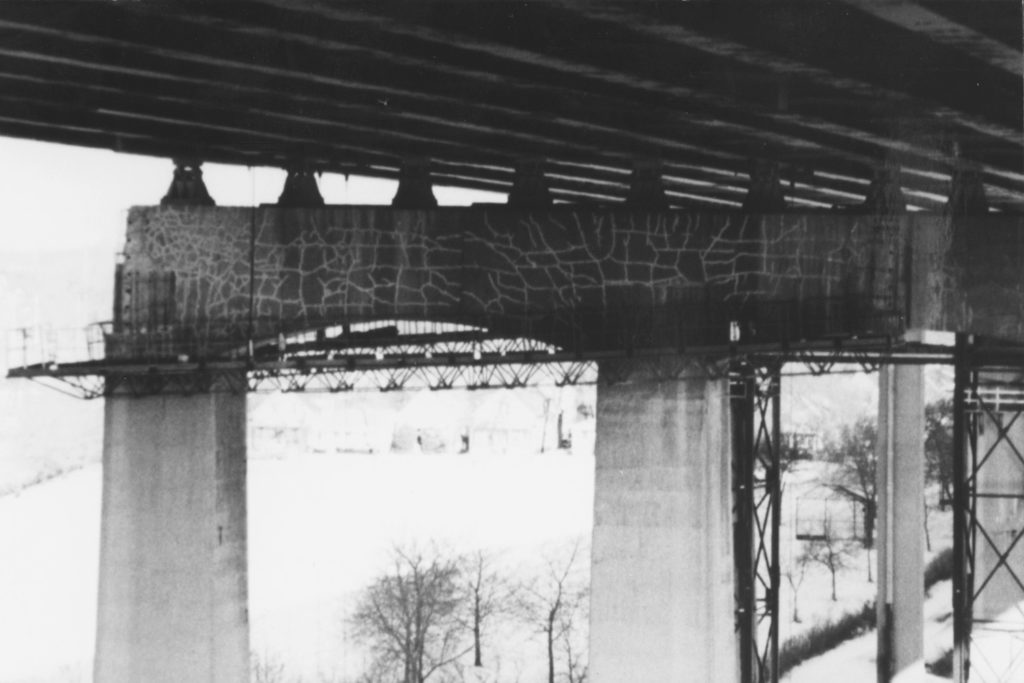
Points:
(697, 193)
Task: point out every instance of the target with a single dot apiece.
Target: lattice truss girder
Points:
(478, 376)
(988, 471)
(757, 510)
(332, 380)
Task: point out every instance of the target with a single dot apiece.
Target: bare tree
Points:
(795, 574)
(488, 595)
(829, 551)
(410, 616)
(556, 605)
(938, 457)
(576, 665)
(327, 677)
(938, 447)
(855, 478)
(266, 669)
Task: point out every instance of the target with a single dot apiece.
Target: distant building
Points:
(801, 445)
(504, 423)
(821, 505)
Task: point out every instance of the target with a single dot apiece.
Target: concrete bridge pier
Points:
(662, 604)
(900, 487)
(173, 568)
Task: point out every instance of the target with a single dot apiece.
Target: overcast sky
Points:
(74, 200)
(60, 197)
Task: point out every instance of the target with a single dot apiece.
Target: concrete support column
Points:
(900, 486)
(173, 568)
(662, 593)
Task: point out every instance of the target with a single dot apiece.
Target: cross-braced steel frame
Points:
(988, 429)
(757, 508)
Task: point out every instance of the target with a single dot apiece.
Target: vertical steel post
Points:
(742, 405)
(961, 524)
(757, 489)
(773, 480)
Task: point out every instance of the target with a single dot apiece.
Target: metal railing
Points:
(619, 328)
(27, 347)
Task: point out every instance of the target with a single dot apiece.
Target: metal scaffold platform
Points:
(391, 355)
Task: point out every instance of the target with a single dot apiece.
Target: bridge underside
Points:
(653, 154)
(827, 90)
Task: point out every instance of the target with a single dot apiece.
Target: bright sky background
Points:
(61, 197)
(65, 212)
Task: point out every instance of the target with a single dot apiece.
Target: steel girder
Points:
(757, 509)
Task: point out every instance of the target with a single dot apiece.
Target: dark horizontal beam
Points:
(570, 182)
(311, 94)
(856, 46)
(484, 35)
(294, 132)
(919, 19)
(517, 109)
(423, 111)
(803, 87)
(84, 124)
(630, 101)
(454, 175)
(996, 20)
(814, 149)
(310, 120)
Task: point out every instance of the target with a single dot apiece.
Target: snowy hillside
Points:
(823, 404)
(321, 527)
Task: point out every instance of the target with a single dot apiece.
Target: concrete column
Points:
(662, 602)
(173, 568)
(900, 539)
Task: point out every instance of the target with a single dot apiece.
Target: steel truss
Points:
(988, 405)
(314, 361)
(757, 499)
(298, 377)
(434, 377)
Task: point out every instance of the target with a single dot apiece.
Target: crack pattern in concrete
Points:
(592, 271)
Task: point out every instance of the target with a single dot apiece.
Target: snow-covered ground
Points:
(48, 579)
(43, 433)
(854, 661)
(323, 520)
(321, 527)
